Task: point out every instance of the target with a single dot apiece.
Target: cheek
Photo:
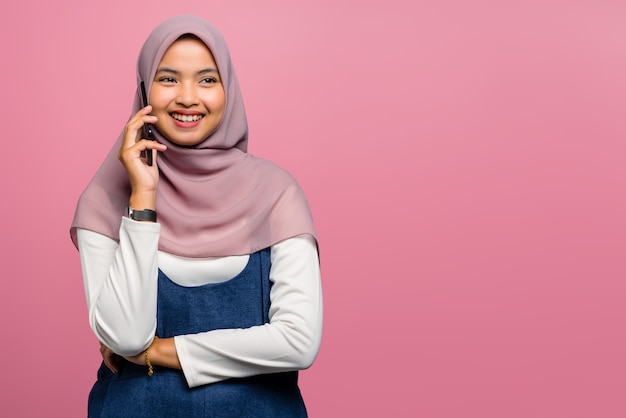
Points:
(158, 98)
(217, 100)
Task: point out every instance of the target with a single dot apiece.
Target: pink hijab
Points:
(214, 199)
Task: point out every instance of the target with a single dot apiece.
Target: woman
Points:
(201, 270)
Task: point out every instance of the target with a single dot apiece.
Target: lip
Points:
(186, 112)
(186, 125)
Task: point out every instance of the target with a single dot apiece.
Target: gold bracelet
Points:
(150, 369)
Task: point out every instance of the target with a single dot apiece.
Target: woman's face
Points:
(187, 93)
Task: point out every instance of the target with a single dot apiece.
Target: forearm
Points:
(223, 354)
(290, 340)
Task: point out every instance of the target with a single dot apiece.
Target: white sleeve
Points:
(290, 341)
(121, 284)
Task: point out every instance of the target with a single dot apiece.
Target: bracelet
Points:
(150, 369)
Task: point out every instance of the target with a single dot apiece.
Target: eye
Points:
(167, 80)
(209, 80)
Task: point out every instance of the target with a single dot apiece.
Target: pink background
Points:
(465, 162)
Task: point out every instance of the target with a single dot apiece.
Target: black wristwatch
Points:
(141, 215)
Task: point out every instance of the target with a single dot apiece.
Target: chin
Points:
(186, 143)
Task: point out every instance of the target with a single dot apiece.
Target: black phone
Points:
(147, 127)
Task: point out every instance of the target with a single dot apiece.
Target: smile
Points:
(186, 118)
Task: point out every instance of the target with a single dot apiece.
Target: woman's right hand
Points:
(143, 178)
(111, 360)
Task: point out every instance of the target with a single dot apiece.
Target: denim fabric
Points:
(241, 302)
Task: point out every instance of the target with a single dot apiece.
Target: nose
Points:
(187, 95)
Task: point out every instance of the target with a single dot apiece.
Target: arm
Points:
(120, 280)
(290, 340)
(121, 285)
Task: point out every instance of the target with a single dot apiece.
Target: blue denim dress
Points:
(241, 302)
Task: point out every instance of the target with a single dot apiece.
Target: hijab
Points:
(213, 199)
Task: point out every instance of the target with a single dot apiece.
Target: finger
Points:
(145, 144)
(128, 155)
(110, 359)
(135, 124)
(111, 364)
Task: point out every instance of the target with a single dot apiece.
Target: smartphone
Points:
(147, 127)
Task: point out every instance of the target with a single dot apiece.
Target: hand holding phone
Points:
(147, 128)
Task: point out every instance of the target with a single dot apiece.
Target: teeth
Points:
(186, 118)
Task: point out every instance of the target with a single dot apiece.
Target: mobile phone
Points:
(147, 127)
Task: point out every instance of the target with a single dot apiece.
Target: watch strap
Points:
(141, 214)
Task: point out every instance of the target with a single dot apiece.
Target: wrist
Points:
(147, 360)
(163, 353)
(142, 200)
(141, 215)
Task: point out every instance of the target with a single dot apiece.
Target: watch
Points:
(141, 215)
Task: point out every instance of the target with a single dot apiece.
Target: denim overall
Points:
(241, 302)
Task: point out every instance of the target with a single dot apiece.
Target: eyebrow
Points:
(176, 72)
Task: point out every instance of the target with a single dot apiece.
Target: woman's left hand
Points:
(140, 359)
(162, 353)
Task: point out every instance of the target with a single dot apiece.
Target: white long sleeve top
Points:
(120, 282)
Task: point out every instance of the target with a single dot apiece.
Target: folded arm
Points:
(121, 285)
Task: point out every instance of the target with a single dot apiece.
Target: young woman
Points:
(201, 270)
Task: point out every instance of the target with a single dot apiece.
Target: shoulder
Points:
(262, 164)
(272, 175)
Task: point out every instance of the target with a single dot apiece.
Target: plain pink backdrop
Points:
(465, 162)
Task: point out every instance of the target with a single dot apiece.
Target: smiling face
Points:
(187, 94)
